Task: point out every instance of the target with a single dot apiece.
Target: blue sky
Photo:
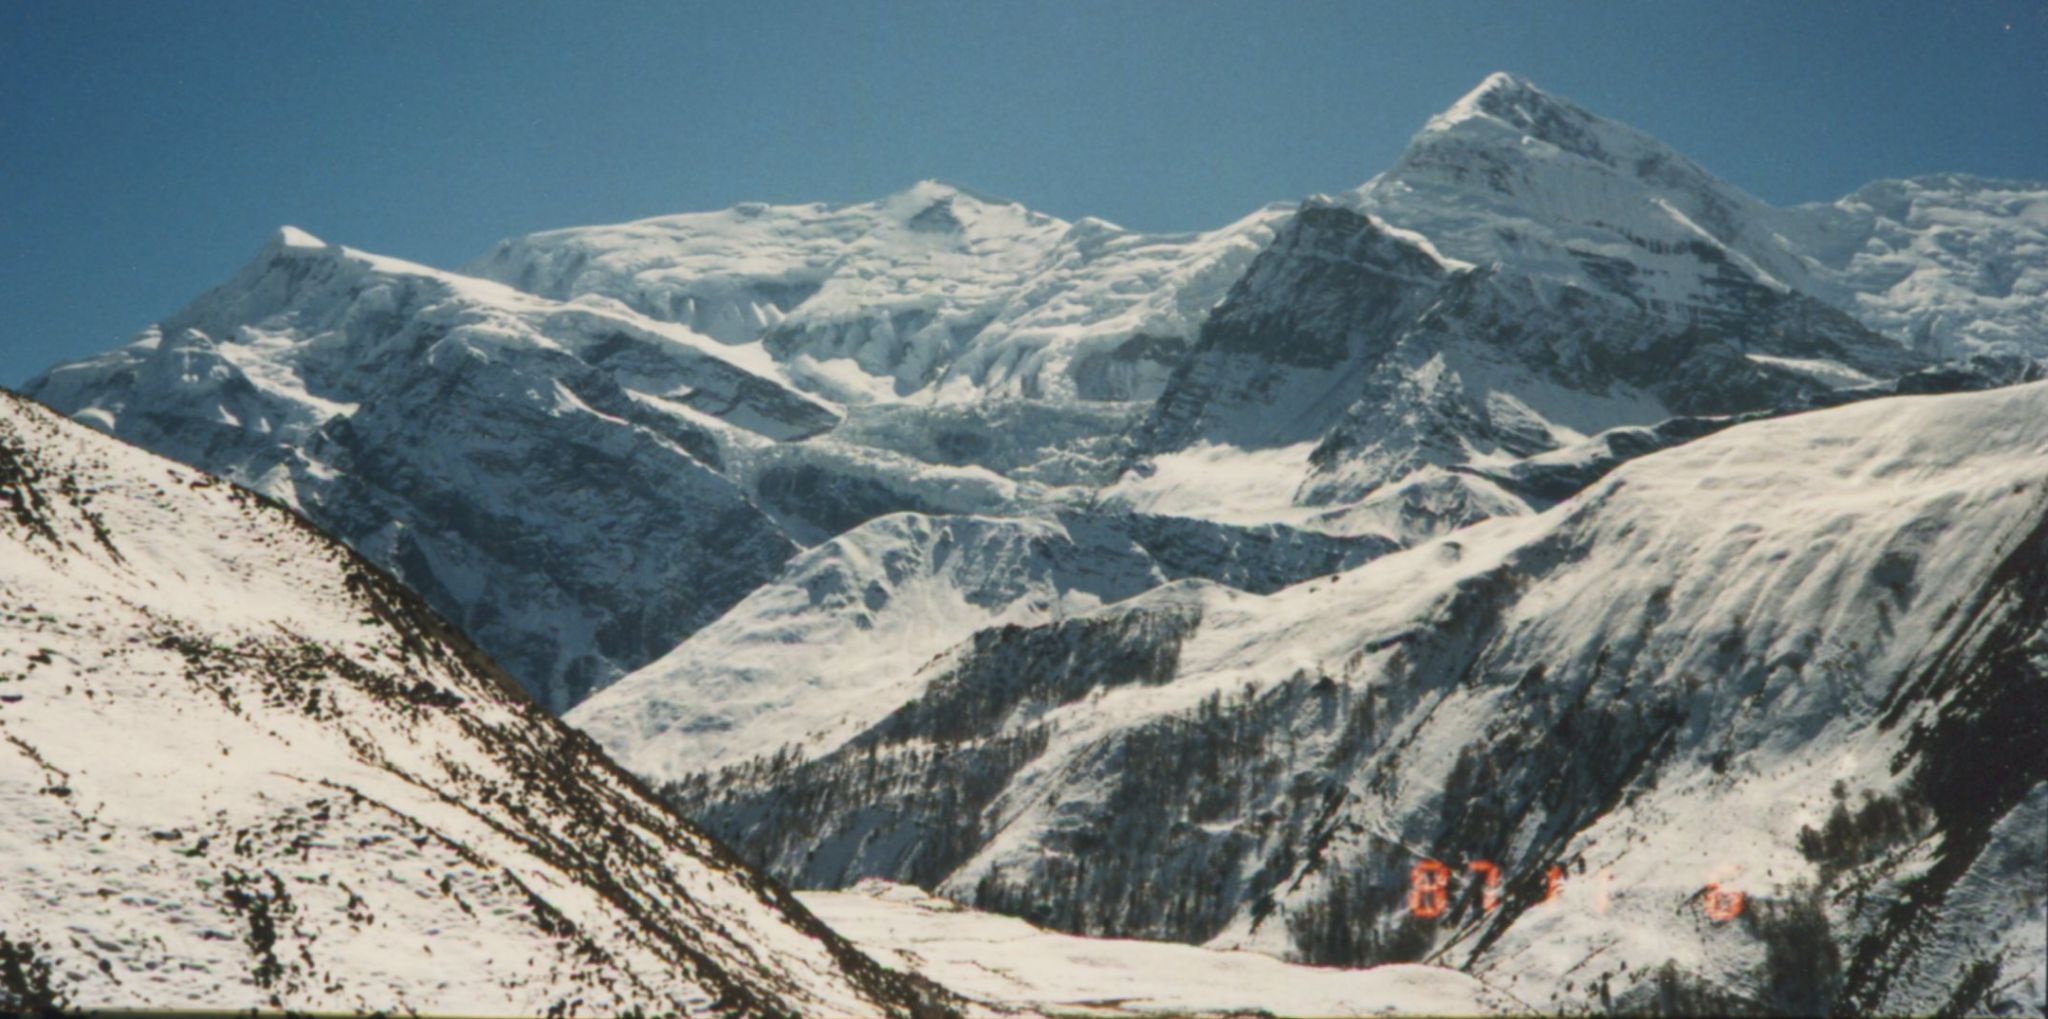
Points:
(148, 149)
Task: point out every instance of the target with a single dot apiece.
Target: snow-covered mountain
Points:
(934, 290)
(1797, 660)
(548, 475)
(1513, 175)
(1951, 265)
(939, 539)
(1526, 275)
(242, 768)
(581, 486)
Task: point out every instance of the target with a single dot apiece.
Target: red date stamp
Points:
(1429, 890)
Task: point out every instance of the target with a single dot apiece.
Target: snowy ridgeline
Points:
(240, 768)
(1771, 702)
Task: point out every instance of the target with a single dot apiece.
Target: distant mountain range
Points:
(1196, 586)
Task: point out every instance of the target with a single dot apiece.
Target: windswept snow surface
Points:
(242, 769)
(1666, 680)
(1004, 961)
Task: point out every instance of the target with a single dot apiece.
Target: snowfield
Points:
(936, 290)
(1001, 960)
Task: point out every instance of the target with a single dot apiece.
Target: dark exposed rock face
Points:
(1328, 295)
(1260, 559)
(1362, 340)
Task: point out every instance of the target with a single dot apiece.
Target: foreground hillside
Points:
(1771, 702)
(241, 768)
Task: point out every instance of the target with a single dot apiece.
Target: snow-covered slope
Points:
(934, 288)
(1798, 659)
(1009, 962)
(240, 768)
(835, 643)
(548, 475)
(832, 642)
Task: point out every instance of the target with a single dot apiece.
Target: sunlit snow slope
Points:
(241, 768)
(835, 642)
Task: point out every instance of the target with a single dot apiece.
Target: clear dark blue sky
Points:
(147, 149)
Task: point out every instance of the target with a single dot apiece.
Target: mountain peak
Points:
(1502, 83)
(1512, 102)
(1496, 94)
(940, 210)
(932, 191)
(293, 237)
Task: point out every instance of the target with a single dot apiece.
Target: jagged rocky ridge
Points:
(1799, 659)
(242, 768)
